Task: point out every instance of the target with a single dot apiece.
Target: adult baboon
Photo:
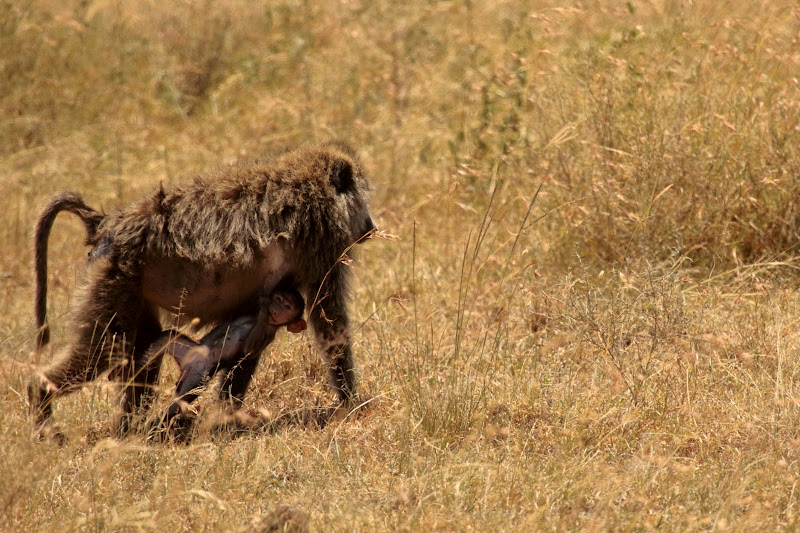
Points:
(223, 350)
(210, 250)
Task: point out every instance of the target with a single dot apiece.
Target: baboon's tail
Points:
(91, 218)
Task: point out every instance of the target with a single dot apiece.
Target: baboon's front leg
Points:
(342, 372)
(328, 318)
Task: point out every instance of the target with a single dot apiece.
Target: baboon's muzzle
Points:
(370, 230)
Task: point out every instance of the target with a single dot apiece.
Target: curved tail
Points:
(91, 218)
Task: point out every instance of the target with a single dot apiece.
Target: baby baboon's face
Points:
(285, 308)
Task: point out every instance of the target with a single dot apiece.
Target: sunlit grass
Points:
(616, 350)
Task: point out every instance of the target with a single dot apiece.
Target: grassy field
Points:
(618, 351)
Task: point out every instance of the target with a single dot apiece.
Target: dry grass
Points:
(616, 353)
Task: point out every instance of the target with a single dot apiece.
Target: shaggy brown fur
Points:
(210, 250)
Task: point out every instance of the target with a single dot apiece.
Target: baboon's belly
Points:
(208, 293)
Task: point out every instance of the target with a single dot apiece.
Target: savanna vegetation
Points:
(587, 319)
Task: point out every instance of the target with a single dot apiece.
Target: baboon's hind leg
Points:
(142, 377)
(89, 354)
(104, 329)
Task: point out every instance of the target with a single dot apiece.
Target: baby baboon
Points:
(223, 349)
(210, 250)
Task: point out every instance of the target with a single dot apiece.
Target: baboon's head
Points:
(352, 191)
(328, 181)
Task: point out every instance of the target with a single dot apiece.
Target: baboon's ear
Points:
(342, 176)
